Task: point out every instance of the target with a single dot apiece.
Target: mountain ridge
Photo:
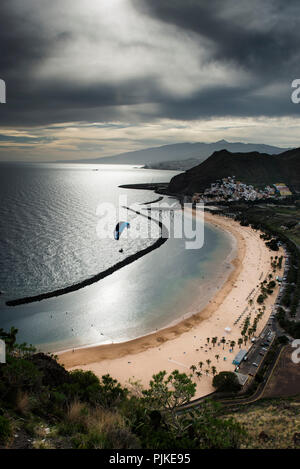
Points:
(180, 151)
(253, 167)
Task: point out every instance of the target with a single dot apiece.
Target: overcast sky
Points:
(93, 78)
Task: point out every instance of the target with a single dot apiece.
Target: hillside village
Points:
(229, 189)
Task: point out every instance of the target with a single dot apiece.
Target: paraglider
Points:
(119, 228)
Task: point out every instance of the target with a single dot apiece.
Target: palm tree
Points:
(208, 361)
(240, 341)
(207, 340)
(245, 339)
(193, 368)
(214, 370)
(198, 374)
(200, 365)
(223, 341)
(232, 344)
(214, 340)
(217, 357)
(206, 372)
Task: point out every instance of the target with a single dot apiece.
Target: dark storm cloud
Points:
(262, 43)
(265, 49)
(24, 45)
(41, 104)
(21, 42)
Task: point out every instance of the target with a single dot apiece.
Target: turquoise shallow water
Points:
(49, 240)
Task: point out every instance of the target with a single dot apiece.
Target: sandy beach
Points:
(186, 343)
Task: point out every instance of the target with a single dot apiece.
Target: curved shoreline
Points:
(97, 353)
(189, 342)
(95, 278)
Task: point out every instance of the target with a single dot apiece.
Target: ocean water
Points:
(48, 240)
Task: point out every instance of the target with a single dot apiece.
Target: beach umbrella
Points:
(227, 329)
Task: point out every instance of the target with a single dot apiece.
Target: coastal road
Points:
(261, 387)
(239, 400)
(257, 352)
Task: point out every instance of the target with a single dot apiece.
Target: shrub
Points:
(103, 429)
(93, 440)
(5, 429)
(76, 420)
(84, 386)
(22, 403)
(282, 339)
(111, 392)
(226, 381)
(19, 375)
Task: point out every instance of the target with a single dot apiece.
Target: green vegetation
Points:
(279, 222)
(291, 327)
(282, 339)
(270, 423)
(48, 407)
(226, 381)
(5, 429)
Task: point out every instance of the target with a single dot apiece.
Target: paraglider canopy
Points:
(119, 228)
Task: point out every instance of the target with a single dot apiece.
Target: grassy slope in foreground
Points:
(44, 406)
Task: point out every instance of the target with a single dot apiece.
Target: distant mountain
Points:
(178, 165)
(253, 168)
(181, 151)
